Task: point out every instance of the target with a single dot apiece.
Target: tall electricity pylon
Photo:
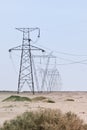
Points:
(26, 69)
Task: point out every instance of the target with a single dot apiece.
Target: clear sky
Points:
(63, 25)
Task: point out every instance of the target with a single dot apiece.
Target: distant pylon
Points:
(26, 70)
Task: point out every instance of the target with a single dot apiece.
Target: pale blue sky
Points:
(63, 25)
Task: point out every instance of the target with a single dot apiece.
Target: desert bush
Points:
(40, 98)
(50, 101)
(17, 98)
(70, 100)
(35, 99)
(45, 120)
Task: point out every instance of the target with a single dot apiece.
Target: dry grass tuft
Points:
(40, 98)
(70, 100)
(50, 101)
(45, 120)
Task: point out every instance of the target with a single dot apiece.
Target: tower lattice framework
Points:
(26, 69)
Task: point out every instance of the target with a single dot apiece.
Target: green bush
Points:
(45, 120)
(17, 98)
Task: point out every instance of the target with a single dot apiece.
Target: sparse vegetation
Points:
(35, 99)
(50, 101)
(17, 98)
(45, 120)
(40, 98)
(70, 100)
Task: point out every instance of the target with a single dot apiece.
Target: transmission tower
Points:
(26, 69)
(51, 80)
(47, 73)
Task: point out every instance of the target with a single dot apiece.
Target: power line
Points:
(64, 59)
(13, 64)
(76, 62)
(69, 54)
(72, 61)
(64, 53)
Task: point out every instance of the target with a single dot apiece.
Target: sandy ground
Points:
(9, 110)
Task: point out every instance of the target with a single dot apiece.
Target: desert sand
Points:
(9, 110)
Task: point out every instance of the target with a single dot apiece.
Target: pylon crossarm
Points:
(16, 48)
(20, 48)
(37, 48)
(26, 30)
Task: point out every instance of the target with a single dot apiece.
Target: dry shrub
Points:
(16, 98)
(45, 120)
(50, 101)
(40, 98)
(70, 100)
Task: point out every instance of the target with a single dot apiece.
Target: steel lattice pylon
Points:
(26, 71)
